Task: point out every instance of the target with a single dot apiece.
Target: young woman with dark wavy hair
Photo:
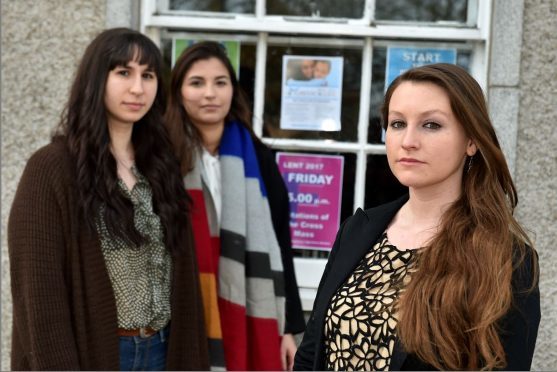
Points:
(240, 216)
(444, 278)
(103, 270)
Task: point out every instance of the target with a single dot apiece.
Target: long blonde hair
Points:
(448, 313)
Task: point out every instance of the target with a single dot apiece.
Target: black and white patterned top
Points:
(140, 277)
(360, 326)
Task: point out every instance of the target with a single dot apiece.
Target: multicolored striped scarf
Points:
(240, 264)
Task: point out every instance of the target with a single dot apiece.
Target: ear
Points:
(471, 148)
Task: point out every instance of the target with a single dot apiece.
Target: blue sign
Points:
(400, 59)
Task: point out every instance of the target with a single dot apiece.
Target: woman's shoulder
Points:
(266, 159)
(262, 150)
(386, 208)
(54, 153)
(525, 268)
(52, 160)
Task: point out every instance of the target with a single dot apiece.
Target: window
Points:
(361, 32)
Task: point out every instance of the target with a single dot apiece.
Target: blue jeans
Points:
(144, 354)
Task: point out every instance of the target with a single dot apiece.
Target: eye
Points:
(432, 125)
(148, 75)
(123, 72)
(195, 83)
(397, 124)
(222, 83)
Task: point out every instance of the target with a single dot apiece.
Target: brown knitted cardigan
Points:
(64, 311)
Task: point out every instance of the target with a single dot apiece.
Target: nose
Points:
(137, 85)
(210, 90)
(410, 138)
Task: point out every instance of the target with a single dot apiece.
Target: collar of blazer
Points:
(358, 234)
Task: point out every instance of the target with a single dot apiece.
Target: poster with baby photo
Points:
(311, 93)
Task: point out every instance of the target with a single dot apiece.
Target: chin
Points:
(411, 182)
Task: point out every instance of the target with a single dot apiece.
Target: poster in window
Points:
(400, 59)
(314, 184)
(311, 93)
(232, 48)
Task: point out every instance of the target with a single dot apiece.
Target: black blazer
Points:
(519, 328)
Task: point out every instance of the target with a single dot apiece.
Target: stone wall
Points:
(42, 42)
(536, 163)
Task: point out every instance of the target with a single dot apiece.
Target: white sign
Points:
(311, 93)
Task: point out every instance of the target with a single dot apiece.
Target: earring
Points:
(469, 164)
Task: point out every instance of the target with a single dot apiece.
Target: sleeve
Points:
(519, 328)
(305, 356)
(42, 331)
(277, 196)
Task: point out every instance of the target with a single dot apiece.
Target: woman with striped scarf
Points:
(240, 216)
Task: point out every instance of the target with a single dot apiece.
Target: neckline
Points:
(385, 233)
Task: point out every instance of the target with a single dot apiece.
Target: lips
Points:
(135, 106)
(210, 107)
(409, 161)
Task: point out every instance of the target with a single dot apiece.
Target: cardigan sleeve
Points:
(277, 196)
(519, 328)
(42, 331)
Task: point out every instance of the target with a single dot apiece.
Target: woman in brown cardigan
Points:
(102, 264)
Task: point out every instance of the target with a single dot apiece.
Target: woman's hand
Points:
(287, 351)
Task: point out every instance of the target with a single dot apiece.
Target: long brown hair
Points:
(184, 135)
(449, 312)
(84, 128)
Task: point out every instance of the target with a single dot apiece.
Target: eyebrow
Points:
(201, 77)
(425, 113)
(127, 65)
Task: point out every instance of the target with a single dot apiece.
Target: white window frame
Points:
(476, 33)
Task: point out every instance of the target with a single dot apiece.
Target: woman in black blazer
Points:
(444, 278)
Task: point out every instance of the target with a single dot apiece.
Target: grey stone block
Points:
(503, 108)
(536, 163)
(41, 44)
(506, 41)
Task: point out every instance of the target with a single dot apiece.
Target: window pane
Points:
(228, 6)
(379, 64)
(381, 184)
(421, 10)
(317, 8)
(352, 66)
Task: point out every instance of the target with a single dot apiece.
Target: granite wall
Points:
(536, 163)
(42, 42)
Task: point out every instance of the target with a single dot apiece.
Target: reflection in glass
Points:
(317, 8)
(228, 6)
(352, 65)
(421, 10)
(379, 66)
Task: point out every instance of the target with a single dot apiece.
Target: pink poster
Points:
(314, 184)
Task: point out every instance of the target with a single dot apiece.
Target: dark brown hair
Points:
(84, 127)
(449, 311)
(184, 135)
